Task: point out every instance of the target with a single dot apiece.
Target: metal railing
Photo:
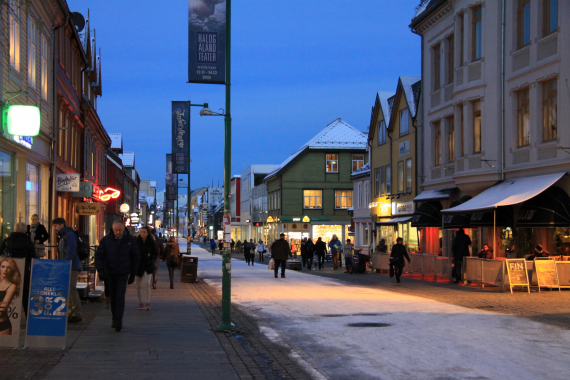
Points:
(484, 272)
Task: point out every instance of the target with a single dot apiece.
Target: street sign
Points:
(85, 208)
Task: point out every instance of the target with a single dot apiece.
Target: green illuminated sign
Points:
(23, 120)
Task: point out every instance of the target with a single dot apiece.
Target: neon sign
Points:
(107, 194)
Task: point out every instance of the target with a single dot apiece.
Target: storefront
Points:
(400, 226)
(296, 229)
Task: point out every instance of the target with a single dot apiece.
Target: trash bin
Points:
(188, 268)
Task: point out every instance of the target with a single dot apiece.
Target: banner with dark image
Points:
(171, 181)
(180, 137)
(207, 41)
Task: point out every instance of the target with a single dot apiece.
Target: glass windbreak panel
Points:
(32, 191)
(6, 196)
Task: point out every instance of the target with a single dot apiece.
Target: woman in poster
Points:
(10, 280)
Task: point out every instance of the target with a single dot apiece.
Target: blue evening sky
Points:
(296, 66)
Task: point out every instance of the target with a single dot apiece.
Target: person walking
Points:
(159, 250)
(117, 261)
(172, 258)
(260, 247)
(38, 235)
(335, 246)
(19, 246)
(310, 247)
(148, 256)
(321, 251)
(397, 262)
(459, 249)
(348, 251)
(250, 252)
(213, 246)
(280, 252)
(232, 245)
(221, 245)
(67, 250)
(304, 252)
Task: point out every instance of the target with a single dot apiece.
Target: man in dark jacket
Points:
(280, 252)
(117, 261)
(321, 251)
(486, 253)
(397, 263)
(67, 250)
(304, 252)
(310, 247)
(459, 249)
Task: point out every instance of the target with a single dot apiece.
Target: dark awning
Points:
(394, 221)
(452, 221)
(428, 215)
(487, 218)
(550, 208)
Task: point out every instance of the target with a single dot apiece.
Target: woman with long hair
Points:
(172, 252)
(148, 255)
(10, 280)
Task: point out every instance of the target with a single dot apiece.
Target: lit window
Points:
(357, 161)
(382, 181)
(401, 177)
(477, 126)
(332, 163)
(32, 43)
(549, 17)
(381, 132)
(437, 143)
(343, 198)
(451, 139)
(44, 68)
(312, 199)
(409, 175)
(549, 111)
(523, 117)
(404, 121)
(436, 67)
(523, 23)
(477, 33)
(14, 20)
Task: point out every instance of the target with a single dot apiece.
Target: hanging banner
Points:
(207, 41)
(171, 180)
(180, 137)
(49, 295)
(11, 297)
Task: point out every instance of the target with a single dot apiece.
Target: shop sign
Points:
(269, 219)
(517, 272)
(23, 120)
(107, 194)
(306, 219)
(128, 222)
(26, 141)
(47, 314)
(404, 148)
(84, 208)
(14, 306)
(403, 208)
(125, 208)
(85, 190)
(545, 274)
(67, 182)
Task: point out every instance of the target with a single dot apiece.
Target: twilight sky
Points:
(296, 66)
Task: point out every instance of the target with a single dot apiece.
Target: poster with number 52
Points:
(11, 293)
(49, 296)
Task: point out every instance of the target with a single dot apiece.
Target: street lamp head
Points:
(206, 112)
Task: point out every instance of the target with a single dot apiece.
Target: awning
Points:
(454, 221)
(551, 208)
(404, 219)
(507, 193)
(428, 215)
(505, 217)
(432, 195)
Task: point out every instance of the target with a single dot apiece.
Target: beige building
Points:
(492, 84)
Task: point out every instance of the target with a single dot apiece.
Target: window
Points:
(14, 20)
(523, 117)
(44, 67)
(382, 181)
(461, 38)
(450, 139)
(332, 163)
(436, 67)
(312, 199)
(549, 111)
(523, 23)
(476, 33)
(32, 43)
(549, 17)
(359, 194)
(437, 143)
(357, 161)
(388, 179)
(381, 132)
(400, 176)
(343, 198)
(32, 191)
(404, 121)
(450, 59)
(409, 175)
(376, 182)
(477, 126)
(462, 125)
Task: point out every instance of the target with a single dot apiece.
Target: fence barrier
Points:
(420, 264)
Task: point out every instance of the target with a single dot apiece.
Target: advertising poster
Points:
(49, 295)
(11, 294)
(207, 41)
(171, 181)
(180, 137)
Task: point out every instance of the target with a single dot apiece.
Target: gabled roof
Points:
(424, 9)
(128, 159)
(407, 85)
(338, 135)
(363, 171)
(382, 103)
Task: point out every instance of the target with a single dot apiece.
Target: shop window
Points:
(549, 111)
(476, 33)
(332, 163)
(32, 191)
(523, 117)
(549, 17)
(381, 132)
(523, 23)
(357, 161)
(409, 175)
(404, 122)
(477, 127)
(400, 177)
(343, 199)
(312, 199)
(6, 196)
(388, 179)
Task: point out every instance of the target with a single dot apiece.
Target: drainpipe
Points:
(414, 124)
(503, 91)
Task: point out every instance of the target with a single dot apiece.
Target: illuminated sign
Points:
(296, 219)
(306, 219)
(124, 208)
(23, 120)
(270, 219)
(127, 222)
(26, 141)
(107, 194)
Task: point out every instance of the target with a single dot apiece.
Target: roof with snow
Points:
(385, 107)
(338, 135)
(153, 184)
(116, 140)
(410, 86)
(128, 159)
(425, 8)
(363, 171)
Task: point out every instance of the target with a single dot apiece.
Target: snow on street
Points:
(418, 339)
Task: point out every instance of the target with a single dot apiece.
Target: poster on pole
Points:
(171, 180)
(180, 137)
(207, 41)
(11, 294)
(49, 297)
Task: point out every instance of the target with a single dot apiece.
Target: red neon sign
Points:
(107, 194)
